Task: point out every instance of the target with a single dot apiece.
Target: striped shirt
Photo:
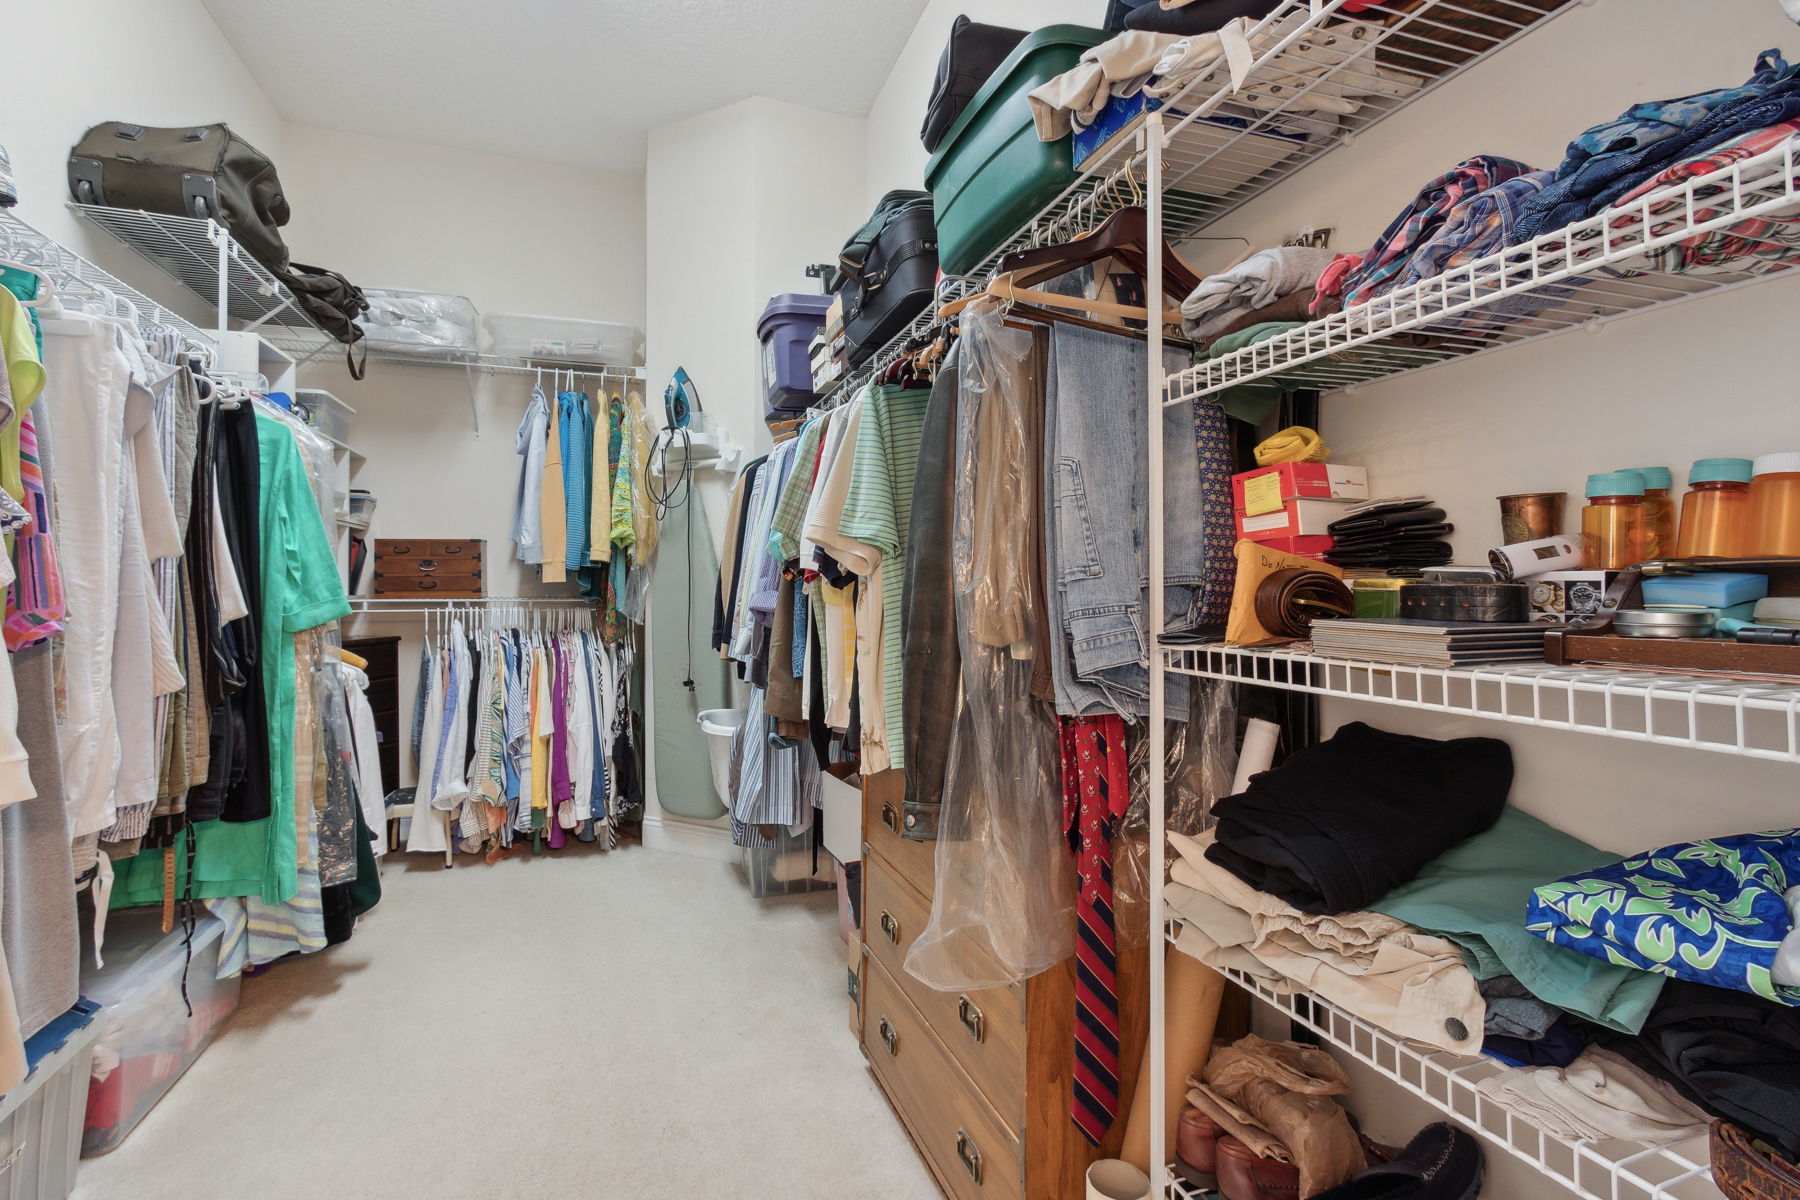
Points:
(790, 509)
(878, 512)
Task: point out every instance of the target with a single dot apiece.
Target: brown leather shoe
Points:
(1244, 1176)
(1196, 1140)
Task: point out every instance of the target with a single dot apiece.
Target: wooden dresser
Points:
(980, 1079)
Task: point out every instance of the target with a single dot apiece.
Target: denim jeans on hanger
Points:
(1099, 486)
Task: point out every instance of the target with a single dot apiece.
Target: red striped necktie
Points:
(1095, 793)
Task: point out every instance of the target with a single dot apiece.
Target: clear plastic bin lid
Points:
(139, 955)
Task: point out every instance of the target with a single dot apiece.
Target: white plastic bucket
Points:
(718, 724)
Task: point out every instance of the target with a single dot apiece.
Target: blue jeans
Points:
(1097, 480)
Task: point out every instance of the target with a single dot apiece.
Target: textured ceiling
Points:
(574, 81)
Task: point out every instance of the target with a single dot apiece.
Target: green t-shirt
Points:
(300, 590)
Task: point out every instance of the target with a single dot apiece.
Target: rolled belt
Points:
(1289, 600)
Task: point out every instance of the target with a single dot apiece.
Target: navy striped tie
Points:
(1095, 792)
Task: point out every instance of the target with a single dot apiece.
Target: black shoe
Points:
(1440, 1163)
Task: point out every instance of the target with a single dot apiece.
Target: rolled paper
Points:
(1260, 739)
(1194, 992)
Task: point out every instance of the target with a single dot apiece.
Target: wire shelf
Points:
(1226, 145)
(1212, 167)
(1181, 1189)
(1751, 720)
(1608, 1170)
(203, 257)
(25, 244)
(1578, 277)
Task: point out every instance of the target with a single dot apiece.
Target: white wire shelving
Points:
(202, 256)
(25, 244)
(1605, 1170)
(1226, 144)
(1577, 277)
(1229, 143)
(1694, 712)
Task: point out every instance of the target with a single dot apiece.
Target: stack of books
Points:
(1409, 642)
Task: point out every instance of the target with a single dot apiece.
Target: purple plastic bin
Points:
(786, 329)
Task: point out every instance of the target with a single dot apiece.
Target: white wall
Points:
(512, 235)
(896, 157)
(1704, 378)
(76, 63)
(738, 202)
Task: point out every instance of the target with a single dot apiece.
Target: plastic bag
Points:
(1003, 905)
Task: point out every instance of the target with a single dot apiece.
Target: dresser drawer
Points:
(970, 1152)
(414, 548)
(428, 584)
(984, 1029)
(884, 798)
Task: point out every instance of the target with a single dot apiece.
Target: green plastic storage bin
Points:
(991, 174)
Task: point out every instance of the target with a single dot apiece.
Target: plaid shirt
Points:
(1421, 221)
(1755, 246)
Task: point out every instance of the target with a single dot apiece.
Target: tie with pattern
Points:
(1095, 792)
(1212, 442)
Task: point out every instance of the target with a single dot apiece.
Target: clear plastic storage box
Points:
(788, 864)
(41, 1119)
(148, 1038)
(565, 339)
(423, 323)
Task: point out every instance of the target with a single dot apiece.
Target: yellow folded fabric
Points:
(1296, 443)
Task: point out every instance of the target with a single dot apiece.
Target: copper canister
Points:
(1528, 516)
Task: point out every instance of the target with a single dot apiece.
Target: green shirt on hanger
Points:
(300, 590)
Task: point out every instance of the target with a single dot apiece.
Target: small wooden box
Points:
(414, 567)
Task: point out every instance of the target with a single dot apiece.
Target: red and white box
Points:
(1294, 519)
(1302, 547)
(1266, 489)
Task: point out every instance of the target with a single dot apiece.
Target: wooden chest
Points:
(409, 567)
(980, 1079)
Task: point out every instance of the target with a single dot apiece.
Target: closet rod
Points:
(382, 604)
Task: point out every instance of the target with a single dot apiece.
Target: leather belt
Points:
(1289, 600)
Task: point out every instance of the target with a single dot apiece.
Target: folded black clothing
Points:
(1389, 537)
(1201, 16)
(1734, 1054)
(1559, 1047)
(1346, 821)
(1392, 554)
(1378, 522)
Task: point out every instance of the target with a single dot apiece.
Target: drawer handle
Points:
(970, 1154)
(453, 550)
(890, 927)
(889, 1037)
(400, 548)
(425, 585)
(428, 564)
(890, 816)
(971, 1018)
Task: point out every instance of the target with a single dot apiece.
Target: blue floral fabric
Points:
(1712, 911)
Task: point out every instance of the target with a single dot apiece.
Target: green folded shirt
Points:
(1476, 895)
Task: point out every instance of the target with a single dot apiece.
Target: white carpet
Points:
(630, 1025)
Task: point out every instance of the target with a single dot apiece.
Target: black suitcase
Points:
(969, 58)
(199, 171)
(897, 274)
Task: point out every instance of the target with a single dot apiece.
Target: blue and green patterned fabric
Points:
(1712, 911)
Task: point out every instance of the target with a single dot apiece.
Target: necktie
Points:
(1212, 442)
(1095, 793)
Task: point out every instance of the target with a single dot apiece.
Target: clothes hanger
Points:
(46, 286)
(1124, 235)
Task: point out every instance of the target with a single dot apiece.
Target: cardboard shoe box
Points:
(1294, 519)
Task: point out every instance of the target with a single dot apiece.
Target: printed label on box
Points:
(1265, 522)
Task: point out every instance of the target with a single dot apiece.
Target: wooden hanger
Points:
(1125, 235)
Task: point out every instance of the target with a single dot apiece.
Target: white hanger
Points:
(46, 287)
